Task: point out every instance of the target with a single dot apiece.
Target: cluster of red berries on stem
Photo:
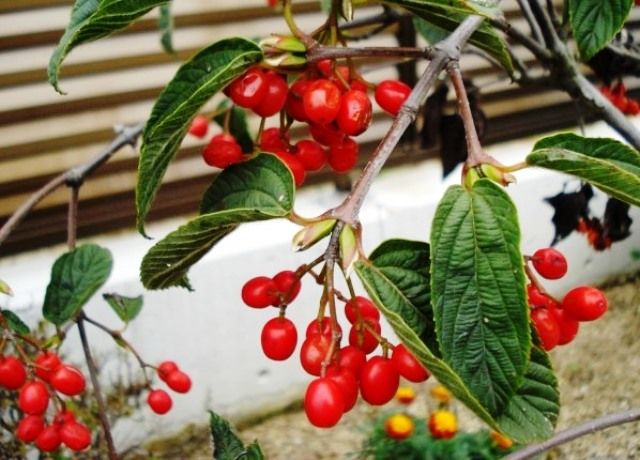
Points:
(159, 400)
(557, 322)
(618, 97)
(37, 383)
(331, 99)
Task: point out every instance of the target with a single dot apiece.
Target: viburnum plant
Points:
(465, 303)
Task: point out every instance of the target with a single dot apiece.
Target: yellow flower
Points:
(440, 393)
(500, 440)
(405, 395)
(443, 424)
(399, 426)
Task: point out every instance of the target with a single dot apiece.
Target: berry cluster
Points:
(618, 97)
(168, 371)
(37, 383)
(557, 323)
(341, 371)
(331, 99)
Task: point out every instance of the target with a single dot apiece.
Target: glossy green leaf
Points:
(259, 189)
(594, 23)
(165, 24)
(238, 127)
(127, 308)
(15, 323)
(75, 277)
(478, 291)
(608, 164)
(94, 19)
(227, 445)
(195, 82)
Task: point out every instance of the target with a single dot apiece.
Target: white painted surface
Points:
(216, 339)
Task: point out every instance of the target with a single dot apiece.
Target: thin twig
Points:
(330, 52)
(533, 24)
(592, 426)
(72, 217)
(519, 37)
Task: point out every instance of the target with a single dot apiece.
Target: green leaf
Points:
(75, 277)
(195, 82)
(94, 19)
(430, 32)
(15, 323)
(165, 23)
(594, 23)
(238, 127)
(127, 308)
(606, 163)
(5, 288)
(259, 189)
(532, 413)
(478, 291)
(226, 445)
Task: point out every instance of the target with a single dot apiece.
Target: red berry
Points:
(199, 126)
(273, 139)
(407, 365)
(179, 382)
(294, 104)
(326, 68)
(33, 398)
(343, 156)
(355, 113)
(379, 381)
(321, 101)
(29, 427)
(260, 292)
(313, 351)
(367, 309)
(550, 263)
(46, 362)
(537, 298)
(346, 381)
(275, 97)
(359, 85)
(546, 327)
(288, 285)
(365, 340)
(49, 439)
(159, 401)
(68, 380)
(222, 151)
(12, 373)
(585, 303)
(165, 368)
(64, 416)
(249, 89)
(295, 166)
(352, 358)
(633, 107)
(326, 135)
(278, 339)
(311, 154)
(75, 436)
(323, 403)
(322, 327)
(568, 326)
(391, 94)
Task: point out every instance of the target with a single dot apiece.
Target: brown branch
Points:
(519, 37)
(330, 52)
(72, 217)
(531, 20)
(592, 426)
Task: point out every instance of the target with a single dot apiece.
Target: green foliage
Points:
(258, 189)
(94, 19)
(227, 446)
(14, 322)
(195, 82)
(127, 308)
(75, 277)
(606, 163)
(594, 23)
(237, 125)
(165, 24)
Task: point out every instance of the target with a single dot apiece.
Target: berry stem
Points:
(536, 282)
(287, 13)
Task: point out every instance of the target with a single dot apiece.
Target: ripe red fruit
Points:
(326, 68)
(311, 154)
(354, 116)
(323, 403)
(294, 164)
(68, 380)
(159, 401)
(75, 436)
(313, 351)
(165, 368)
(273, 139)
(322, 327)
(568, 326)
(64, 416)
(275, 97)
(33, 398)
(279, 338)
(585, 303)
(391, 94)
(29, 427)
(366, 341)
(199, 126)
(179, 382)
(46, 362)
(546, 327)
(49, 439)
(12, 373)
(367, 309)
(288, 285)
(326, 135)
(537, 298)
(352, 358)
(343, 156)
(294, 104)
(407, 365)
(222, 151)
(379, 381)
(321, 101)
(347, 383)
(633, 107)
(249, 89)
(550, 263)
(260, 292)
